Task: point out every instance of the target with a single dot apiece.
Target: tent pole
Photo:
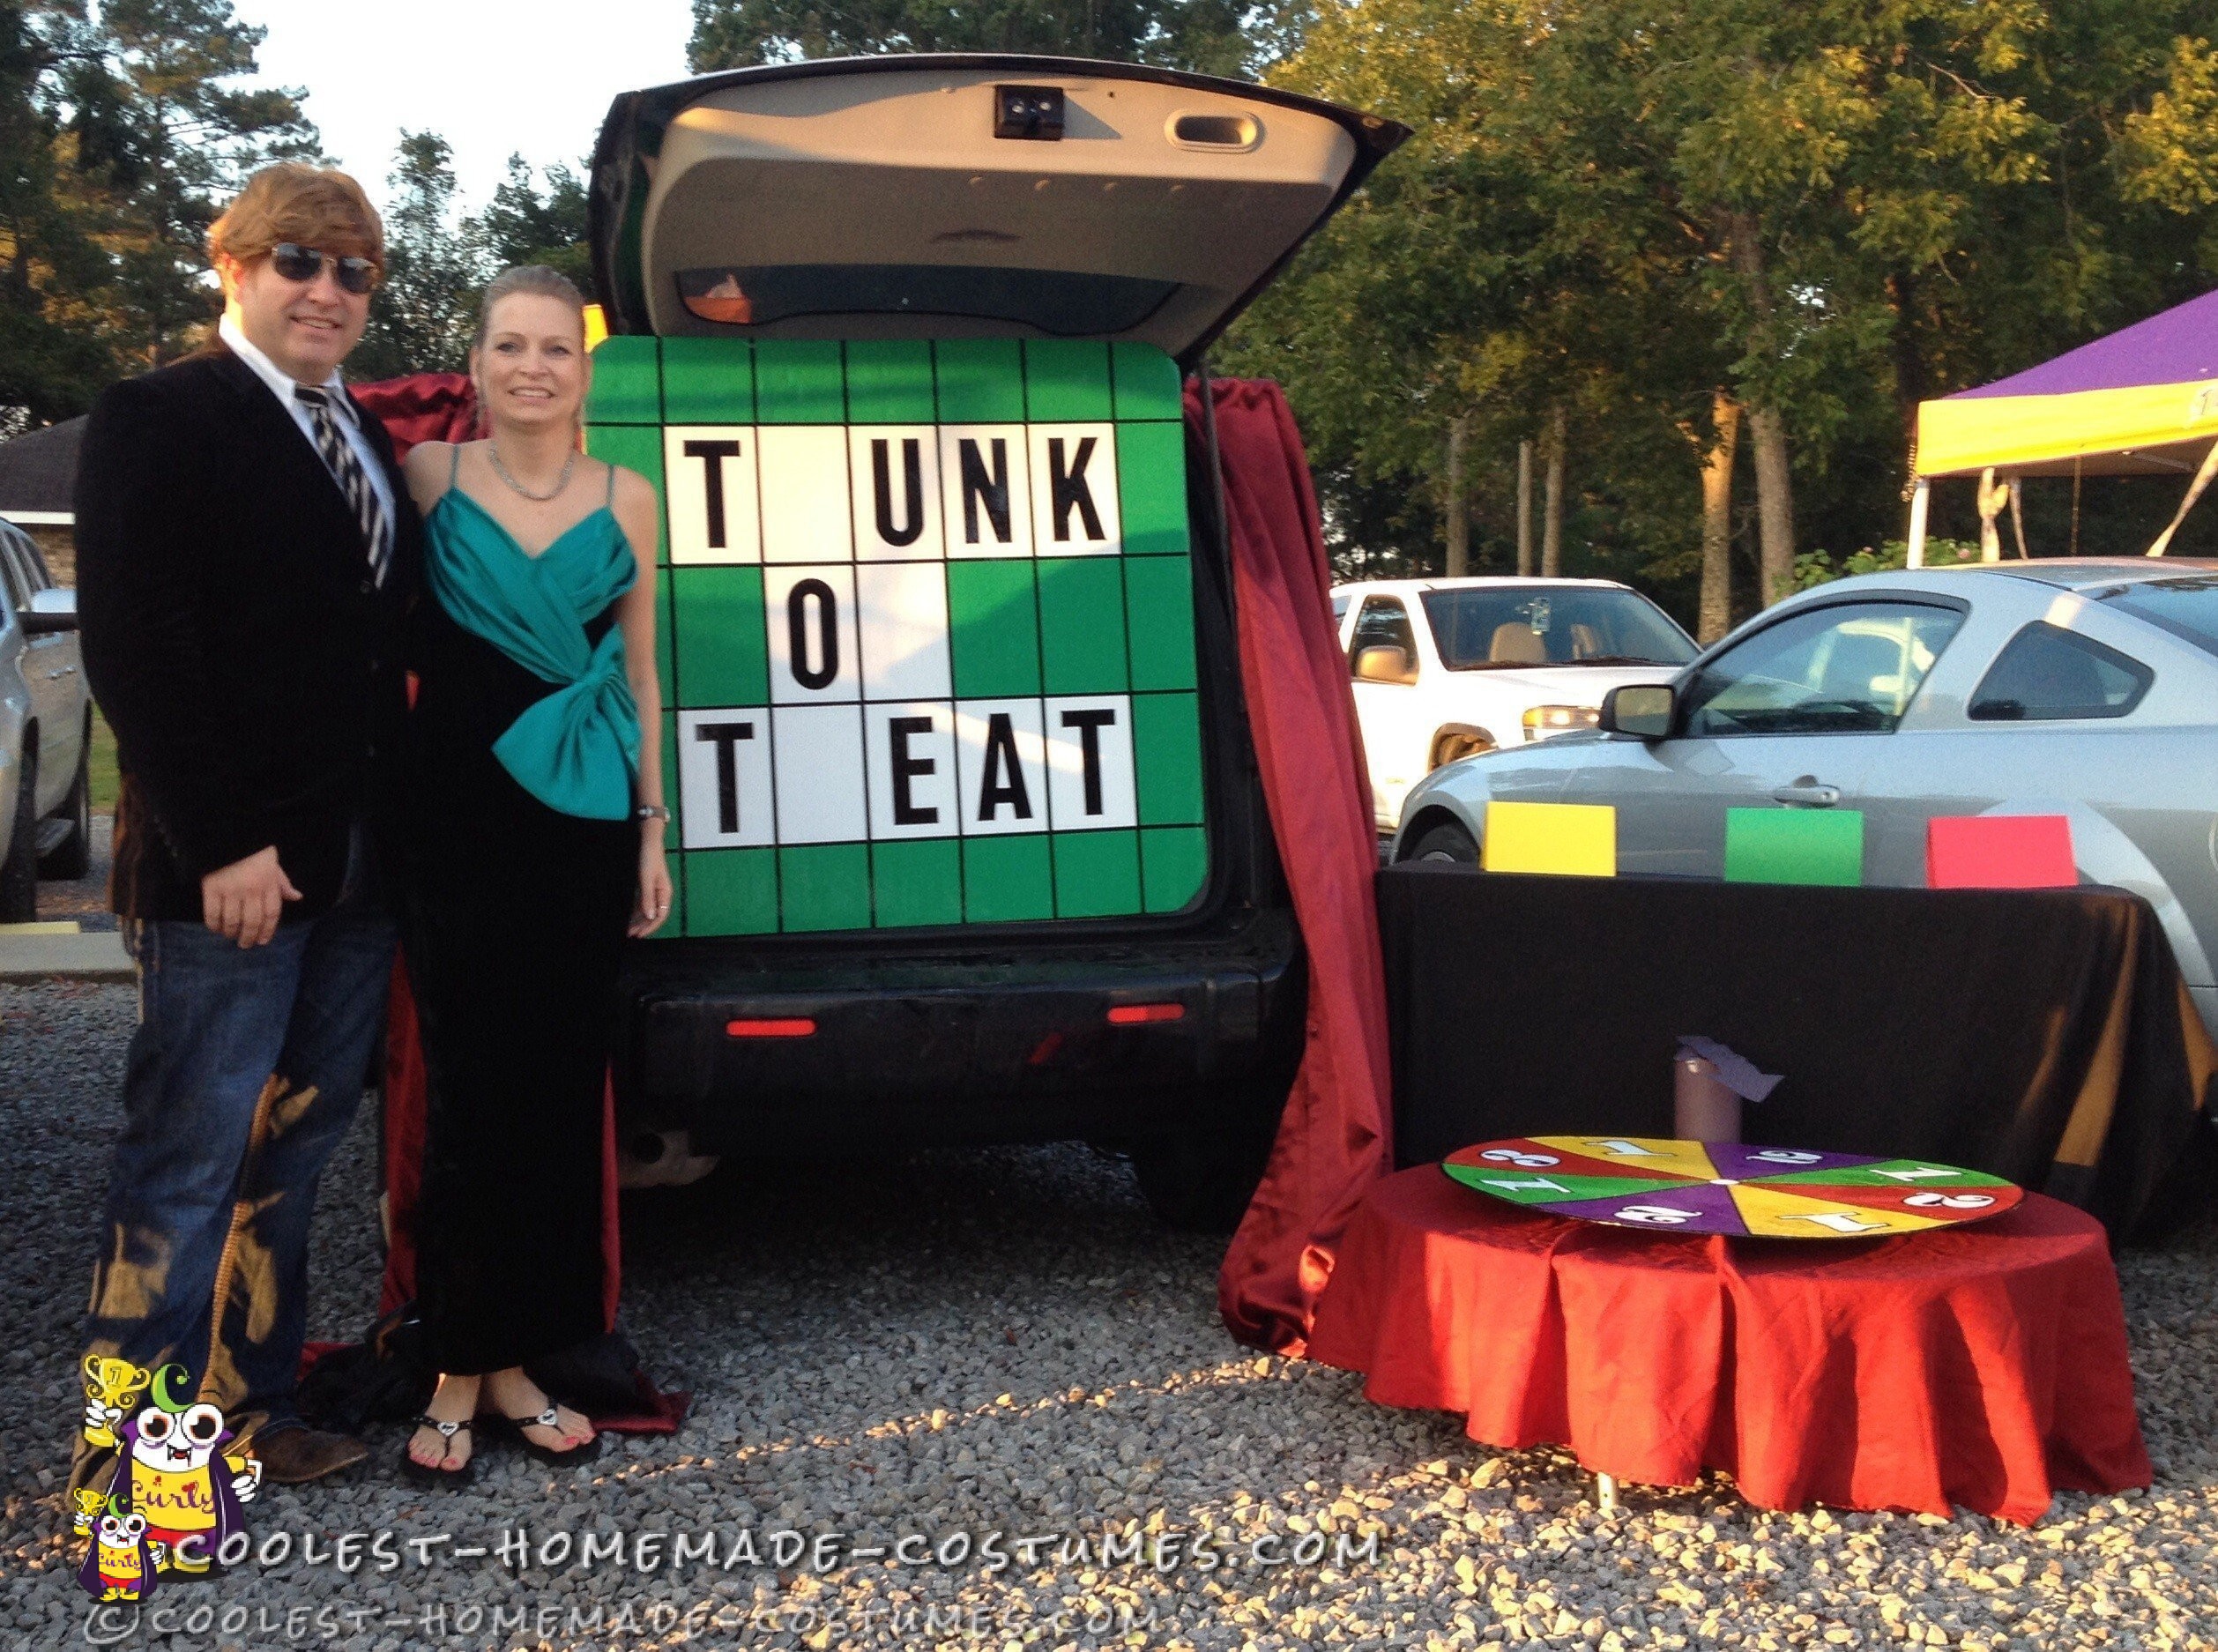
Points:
(1919, 501)
(2194, 492)
(1992, 500)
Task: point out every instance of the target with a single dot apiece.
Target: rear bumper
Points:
(745, 1049)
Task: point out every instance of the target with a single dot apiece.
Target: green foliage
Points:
(1216, 36)
(121, 133)
(1813, 569)
(1618, 207)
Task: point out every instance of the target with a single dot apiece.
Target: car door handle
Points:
(1809, 793)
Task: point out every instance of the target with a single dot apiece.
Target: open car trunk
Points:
(962, 196)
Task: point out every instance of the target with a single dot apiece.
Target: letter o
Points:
(1309, 1548)
(200, 1620)
(827, 666)
(554, 1551)
(276, 1549)
(960, 1543)
(233, 1620)
(234, 1549)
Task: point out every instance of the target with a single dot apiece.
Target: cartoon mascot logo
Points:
(121, 1564)
(186, 1497)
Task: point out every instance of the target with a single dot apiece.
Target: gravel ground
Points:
(952, 1344)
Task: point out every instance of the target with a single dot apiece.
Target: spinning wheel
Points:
(1726, 1188)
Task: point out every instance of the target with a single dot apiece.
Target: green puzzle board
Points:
(925, 628)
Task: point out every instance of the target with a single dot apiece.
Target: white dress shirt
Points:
(281, 386)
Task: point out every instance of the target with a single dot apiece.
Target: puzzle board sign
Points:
(925, 628)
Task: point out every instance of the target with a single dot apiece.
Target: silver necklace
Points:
(502, 470)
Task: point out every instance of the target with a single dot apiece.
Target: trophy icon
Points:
(112, 1388)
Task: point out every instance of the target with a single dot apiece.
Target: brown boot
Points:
(293, 1453)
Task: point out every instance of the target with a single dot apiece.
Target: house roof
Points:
(38, 470)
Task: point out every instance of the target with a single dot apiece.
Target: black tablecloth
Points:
(2040, 1035)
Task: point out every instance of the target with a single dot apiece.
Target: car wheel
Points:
(72, 857)
(19, 872)
(1449, 842)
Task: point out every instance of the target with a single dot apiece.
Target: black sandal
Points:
(423, 1473)
(514, 1427)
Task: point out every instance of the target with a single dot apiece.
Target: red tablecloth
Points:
(1983, 1366)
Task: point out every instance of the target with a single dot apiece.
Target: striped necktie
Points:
(347, 471)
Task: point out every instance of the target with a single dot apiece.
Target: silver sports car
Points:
(2086, 687)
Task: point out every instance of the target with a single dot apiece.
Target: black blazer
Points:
(232, 637)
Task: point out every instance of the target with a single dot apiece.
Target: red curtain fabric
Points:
(1335, 1138)
(442, 407)
(422, 408)
(1982, 1365)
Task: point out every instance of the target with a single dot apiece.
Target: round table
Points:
(1983, 1366)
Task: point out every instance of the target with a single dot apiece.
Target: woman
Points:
(536, 828)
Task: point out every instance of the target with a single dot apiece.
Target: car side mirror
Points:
(1385, 663)
(52, 610)
(1643, 710)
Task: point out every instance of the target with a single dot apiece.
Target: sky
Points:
(492, 76)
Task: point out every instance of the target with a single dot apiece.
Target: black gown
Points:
(515, 916)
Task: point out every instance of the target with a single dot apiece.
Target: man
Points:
(246, 557)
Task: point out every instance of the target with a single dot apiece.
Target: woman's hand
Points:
(652, 907)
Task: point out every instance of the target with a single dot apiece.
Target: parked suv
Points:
(1449, 668)
(46, 725)
(969, 844)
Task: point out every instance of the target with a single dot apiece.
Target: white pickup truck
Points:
(1449, 668)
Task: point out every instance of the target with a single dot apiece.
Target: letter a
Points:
(1003, 781)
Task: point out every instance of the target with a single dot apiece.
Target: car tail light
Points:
(771, 1027)
(1142, 1015)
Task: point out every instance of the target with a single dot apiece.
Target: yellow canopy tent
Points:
(2140, 401)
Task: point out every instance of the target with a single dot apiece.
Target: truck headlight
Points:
(1544, 720)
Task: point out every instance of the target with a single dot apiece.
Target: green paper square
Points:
(708, 381)
(722, 655)
(627, 382)
(799, 381)
(1006, 879)
(824, 886)
(673, 838)
(1151, 489)
(993, 628)
(889, 382)
(1097, 873)
(1081, 625)
(665, 655)
(918, 880)
(981, 381)
(731, 891)
(1795, 846)
(1166, 756)
(1147, 383)
(638, 448)
(1174, 866)
(1066, 381)
(1158, 598)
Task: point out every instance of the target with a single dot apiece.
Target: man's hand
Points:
(241, 902)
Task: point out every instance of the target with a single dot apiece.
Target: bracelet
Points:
(650, 811)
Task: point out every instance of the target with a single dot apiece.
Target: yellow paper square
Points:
(1574, 840)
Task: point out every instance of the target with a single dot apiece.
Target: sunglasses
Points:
(296, 263)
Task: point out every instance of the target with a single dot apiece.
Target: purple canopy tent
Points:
(2140, 401)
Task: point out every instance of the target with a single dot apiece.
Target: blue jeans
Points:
(244, 1075)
